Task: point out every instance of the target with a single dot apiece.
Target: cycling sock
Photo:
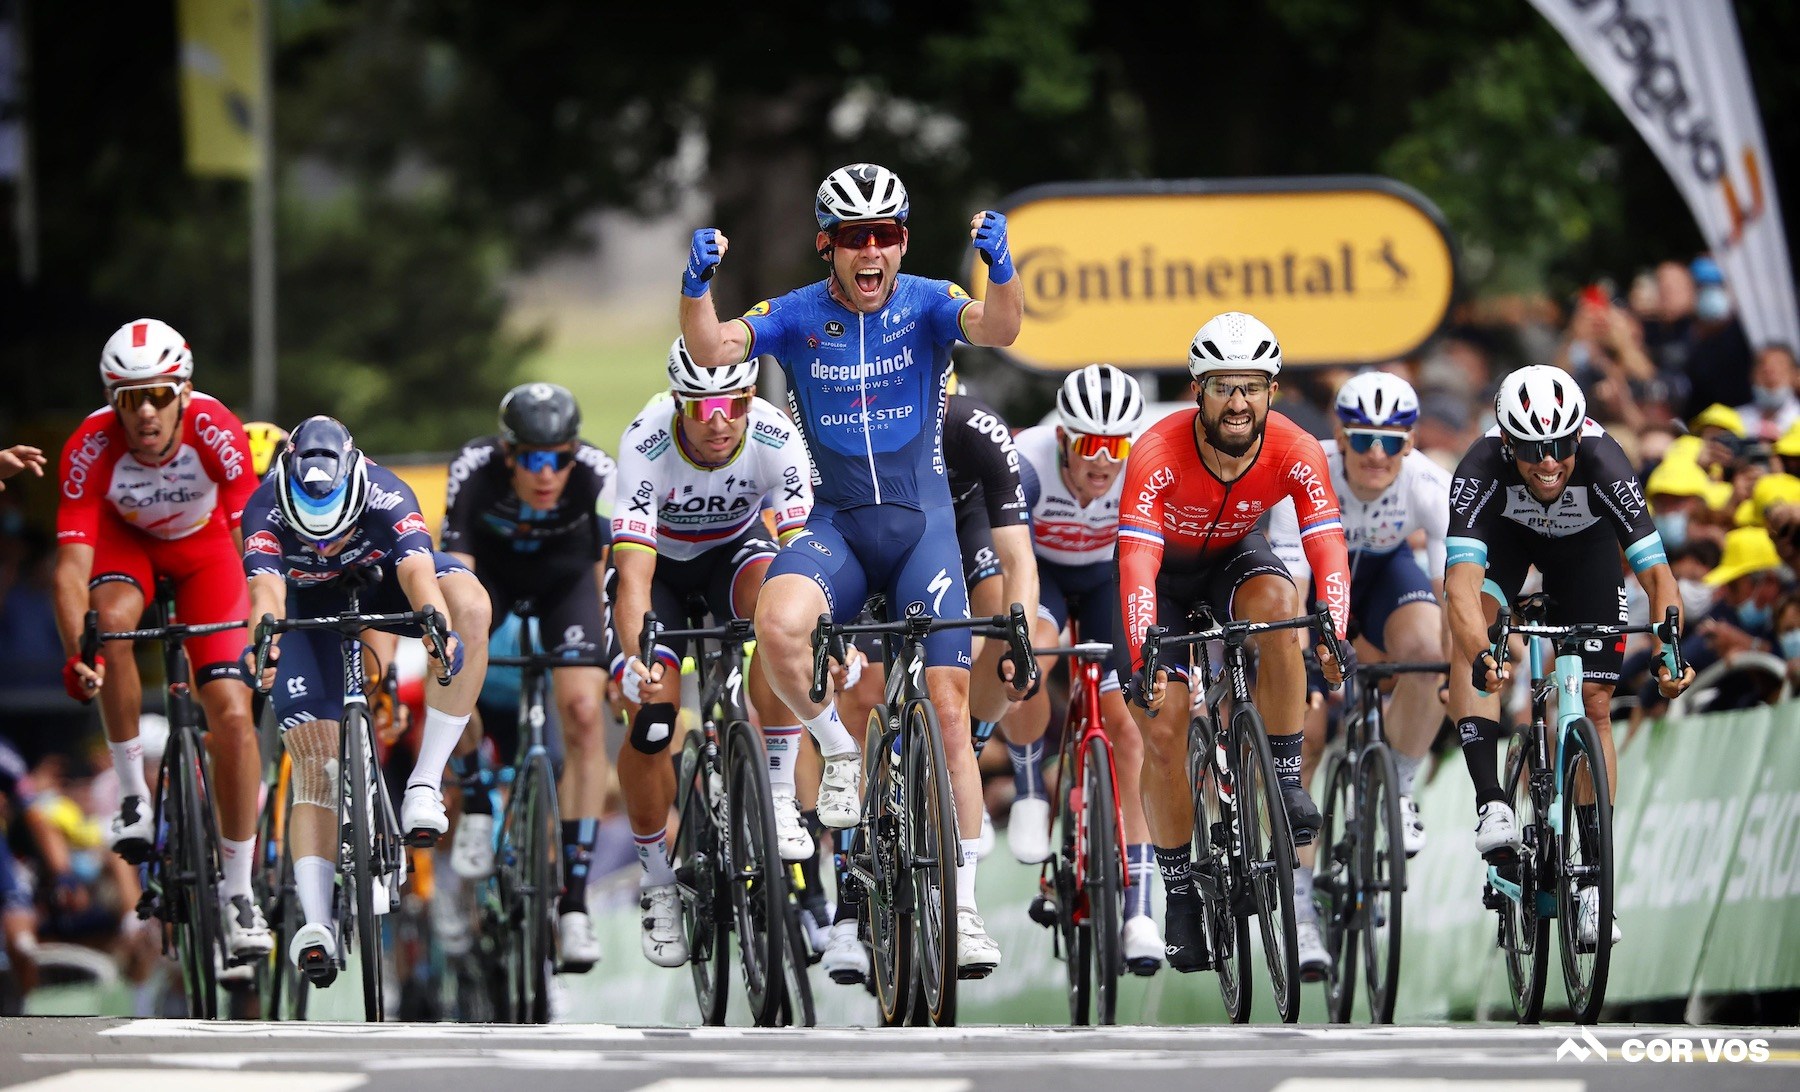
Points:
(1174, 865)
(1304, 910)
(809, 868)
(1286, 749)
(781, 743)
(1408, 768)
(473, 779)
(442, 733)
(128, 763)
(1140, 859)
(578, 853)
(238, 859)
(965, 874)
(982, 731)
(1028, 768)
(1479, 735)
(313, 877)
(653, 854)
(833, 738)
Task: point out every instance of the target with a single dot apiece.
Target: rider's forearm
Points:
(268, 595)
(631, 599)
(1019, 562)
(418, 579)
(74, 564)
(709, 341)
(1462, 595)
(1664, 592)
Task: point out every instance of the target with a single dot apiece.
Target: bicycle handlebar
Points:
(1156, 638)
(1668, 632)
(92, 638)
(436, 636)
(1086, 650)
(1012, 627)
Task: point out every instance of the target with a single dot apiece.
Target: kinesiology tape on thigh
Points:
(313, 754)
(653, 728)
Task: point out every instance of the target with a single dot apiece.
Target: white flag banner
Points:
(1677, 69)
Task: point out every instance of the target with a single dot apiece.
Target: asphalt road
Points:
(65, 1054)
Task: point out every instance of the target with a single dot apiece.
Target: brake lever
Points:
(438, 631)
(822, 641)
(1152, 652)
(1019, 636)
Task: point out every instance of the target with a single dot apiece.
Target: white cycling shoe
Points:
(664, 944)
(1587, 920)
(1412, 827)
(845, 959)
(1028, 829)
(790, 831)
(132, 833)
(976, 953)
(1496, 831)
(422, 815)
(576, 942)
(472, 851)
(247, 934)
(314, 951)
(840, 802)
(1143, 944)
(1309, 947)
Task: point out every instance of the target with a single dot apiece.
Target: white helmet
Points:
(1377, 400)
(1539, 402)
(1100, 400)
(861, 191)
(690, 379)
(145, 349)
(1234, 342)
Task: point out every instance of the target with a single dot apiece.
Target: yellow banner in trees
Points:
(221, 84)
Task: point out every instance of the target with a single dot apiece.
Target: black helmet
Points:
(539, 414)
(322, 480)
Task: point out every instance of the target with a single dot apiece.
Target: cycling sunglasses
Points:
(1362, 439)
(1536, 451)
(1088, 446)
(1220, 387)
(131, 399)
(733, 406)
(857, 236)
(538, 461)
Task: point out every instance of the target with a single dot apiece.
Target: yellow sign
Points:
(221, 84)
(1344, 270)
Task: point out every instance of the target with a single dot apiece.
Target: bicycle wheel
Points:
(1335, 893)
(1524, 935)
(1065, 882)
(1216, 864)
(758, 881)
(1382, 874)
(1104, 881)
(366, 930)
(532, 849)
(1268, 850)
(880, 838)
(192, 873)
(704, 903)
(796, 995)
(934, 850)
(1586, 861)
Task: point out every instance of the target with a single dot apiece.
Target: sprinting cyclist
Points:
(522, 512)
(1074, 475)
(326, 517)
(154, 487)
(1196, 485)
(694, 474)
(267, 442)
(1386, 492)
(1546, 487)
(866, 352)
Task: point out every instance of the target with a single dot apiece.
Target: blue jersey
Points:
(391, 528)
(868, 390)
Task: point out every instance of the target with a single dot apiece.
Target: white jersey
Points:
(1063, 530)
(1419, 498)
(672, 505)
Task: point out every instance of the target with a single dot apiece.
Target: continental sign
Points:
(1344, 270)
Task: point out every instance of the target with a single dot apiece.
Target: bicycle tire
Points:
(703, 902)
(1227, 932)
(193, 870)
(1524, 934)
(932, 815)
(367, 924)
(283, 986)
(533, 848)
(1268, 849)
(1585, 973)
(758, 880)
(891, 957)
(1104, 888)
(1064, 870)
(1381, 879)
(796, 995)
(1335, 887)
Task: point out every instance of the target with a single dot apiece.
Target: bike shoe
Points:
(792, 837)
(132, 836)
(246, 932)
(472, 850)
(664, 944)
(1496, 832)
(1184, 934)
(845, 959)
(1309, 947)
(576, 942)
(1143, 944)
(840, 802)
(1028, 829)
(422, 815)
(1587, 921)
(1412, 827)
(1303, 815)
(314, 952)
(976, 953)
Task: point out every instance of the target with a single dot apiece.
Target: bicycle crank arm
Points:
(1503, 885)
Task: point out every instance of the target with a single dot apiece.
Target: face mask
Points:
(1753, 618)
(1712, 303)
(1696, 597)
(1790, 644)
(1769, 398)
(1672, 526)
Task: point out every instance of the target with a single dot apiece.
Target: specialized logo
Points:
(938, 586)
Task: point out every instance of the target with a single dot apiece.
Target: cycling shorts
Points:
(1214, 584)
(570, 615)
(1381, 584)
(309, 676)
(975, 538)
(698, 588)
(1089, 594)
(1582, 577)
(910, 555)
(208, 573)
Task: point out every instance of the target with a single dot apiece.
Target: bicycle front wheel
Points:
(887, 901)
(704, 903)
(1103, 884)
(1524, 933)
(1065, 882)
(758, 881)
(531, 849)
(1382, 875)
(1268, 850)
(1586, 863)
(364, 874)
(1218, 867)
(190, 869)
(1335, 894)
(933, 851)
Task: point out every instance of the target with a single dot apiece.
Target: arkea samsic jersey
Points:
(867, 390)
(672, 505)
(483, 515)
(391, 528)
(1064, 530)
(1418, 499)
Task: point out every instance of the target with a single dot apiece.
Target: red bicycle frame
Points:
(1082, 723)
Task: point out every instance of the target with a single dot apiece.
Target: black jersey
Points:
(983, 463)
(484, 517)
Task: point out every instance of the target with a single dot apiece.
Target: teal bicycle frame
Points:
(1566, 682)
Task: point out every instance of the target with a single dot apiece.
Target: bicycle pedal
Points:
(1043, 910)
(974, 972)
(1501, 856)
(421, 838)
(1143, 968)
(1492, 899)
(319, 967)
(147, 906)
(134, 851)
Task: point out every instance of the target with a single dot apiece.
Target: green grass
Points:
(611, 378)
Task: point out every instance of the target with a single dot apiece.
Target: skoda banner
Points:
(1350, 270)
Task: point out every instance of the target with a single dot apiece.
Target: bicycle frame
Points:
(1082, 724)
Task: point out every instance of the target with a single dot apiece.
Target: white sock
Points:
(1304, 910)
(1408, 768)
(238, 858)
(313, 877)
(965, 874)
(653, 854)
(128, 763)
(442, 732)
(834, 738)
(782, 745)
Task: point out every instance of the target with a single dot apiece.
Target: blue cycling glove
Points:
(990, 240)
(703, 262)
(456, 657)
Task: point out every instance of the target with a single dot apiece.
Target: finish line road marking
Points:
(192, 1080)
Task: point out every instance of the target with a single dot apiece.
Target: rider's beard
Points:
(1232, 446)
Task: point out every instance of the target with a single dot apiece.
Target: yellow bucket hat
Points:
(1748, 550)
(1719, 416)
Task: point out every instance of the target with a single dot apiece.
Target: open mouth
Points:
(868, 280)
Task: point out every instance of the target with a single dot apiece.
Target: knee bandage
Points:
(653, 728)
(313, 754)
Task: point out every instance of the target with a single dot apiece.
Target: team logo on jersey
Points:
(762, 308)
(263, 542)
(413, 522)
(834, 328)
(955, 292)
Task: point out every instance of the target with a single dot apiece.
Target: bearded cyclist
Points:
(1196, 485)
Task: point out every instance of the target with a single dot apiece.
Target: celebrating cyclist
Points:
(1546, 487)
(866, 352)
(154, 487)
(522, 512)
(694, 474)
(1196, 485)
(1074, 478)
(1387, 491)
(328, 519)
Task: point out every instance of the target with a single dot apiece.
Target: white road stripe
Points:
(1435, 1084)
(192, 1080)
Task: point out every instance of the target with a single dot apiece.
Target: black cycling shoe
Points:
(1184, 934)
(1303, 815)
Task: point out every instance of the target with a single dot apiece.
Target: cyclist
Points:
(326, 519)
(155, 487)
(1546, 484)
(1386, 491)
(694, 474)
(867, 351)
(522, 512)
(1196, 485)
(267, 442)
